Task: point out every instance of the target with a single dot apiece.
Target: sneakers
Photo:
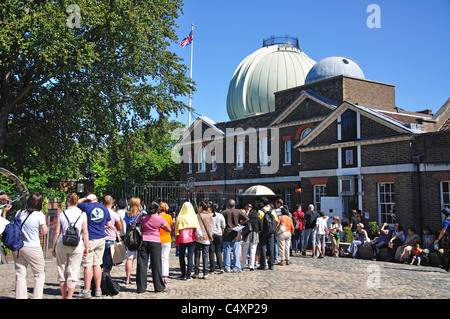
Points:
(87, 294)
(84, 294)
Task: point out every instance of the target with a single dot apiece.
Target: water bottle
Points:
(436, 246)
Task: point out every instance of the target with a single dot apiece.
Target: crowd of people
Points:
(208, 239)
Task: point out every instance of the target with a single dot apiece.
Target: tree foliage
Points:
(68, 91)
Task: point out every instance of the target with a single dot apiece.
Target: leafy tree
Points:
(142, 155)
(72, 80)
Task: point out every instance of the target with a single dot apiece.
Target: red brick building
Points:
(339, 142)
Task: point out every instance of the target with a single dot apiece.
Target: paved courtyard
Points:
(304, 278)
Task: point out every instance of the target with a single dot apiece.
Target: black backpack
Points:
(108, 285)
(269, 224)
(133, 236)
(72, 236)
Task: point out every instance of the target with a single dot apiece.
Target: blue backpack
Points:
(12, 235)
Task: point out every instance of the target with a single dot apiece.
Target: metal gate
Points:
(173, 193)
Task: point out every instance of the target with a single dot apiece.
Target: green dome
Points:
(268, 70)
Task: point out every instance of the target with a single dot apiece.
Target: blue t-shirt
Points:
(384, 238)
(446, 225)
(97, 216)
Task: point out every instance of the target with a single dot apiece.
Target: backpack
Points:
(71, 237)
(108, 285)
(269, 224)
(12, 235)
(329, 251)
(133, 236)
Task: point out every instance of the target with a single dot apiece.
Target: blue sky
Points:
(410, 50)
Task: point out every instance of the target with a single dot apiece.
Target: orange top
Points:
(287, 221)
(166, 236)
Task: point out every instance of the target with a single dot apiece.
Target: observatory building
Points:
(330, 136)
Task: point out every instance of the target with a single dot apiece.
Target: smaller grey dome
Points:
(334, 66)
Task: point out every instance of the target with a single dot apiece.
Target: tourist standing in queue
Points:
(321, 233)
(335, 235)
(166, 240)
(187, 228)
(151, 223)
(297, 243)
(250, 239)
(110, 234)
(203, 242)
(217, 228)
(97, 219)
(284, 237)
(68, 258)
(33, 224)
(131, 218)
(232, 238)
(267, 235)
(308, 234)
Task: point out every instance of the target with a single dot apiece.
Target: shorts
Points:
(95, 254)
(320, 240)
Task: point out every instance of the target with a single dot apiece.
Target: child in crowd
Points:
(417, 254)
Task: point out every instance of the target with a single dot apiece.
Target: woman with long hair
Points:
(151, 224)
(33, 225)
(166, 240)
(131, 217)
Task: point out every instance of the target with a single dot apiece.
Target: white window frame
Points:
(385, 201)
(445, 196)
(213, 160)
(287, 152)
(263, 152)
(320, 190)
(201, 160)
(240, 154)
(190, 164)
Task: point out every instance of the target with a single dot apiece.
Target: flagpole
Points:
(190, 91)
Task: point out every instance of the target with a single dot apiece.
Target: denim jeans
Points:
(267, 243)
(236, 246)
(201, 249)
(107, 258)
(190, 247)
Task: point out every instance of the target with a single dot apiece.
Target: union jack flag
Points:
(187, 40)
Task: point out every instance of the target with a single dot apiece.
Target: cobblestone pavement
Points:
(305, 277)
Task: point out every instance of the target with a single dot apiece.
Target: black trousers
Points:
(152, 250)
(267, 243)
(376, 249)
(215, 249)
(204, 251)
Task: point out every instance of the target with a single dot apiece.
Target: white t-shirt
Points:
(3, 223)
(72, 214)
(321, 226)
(30, 229)
(121, 213)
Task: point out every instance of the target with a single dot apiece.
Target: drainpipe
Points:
(417, 160)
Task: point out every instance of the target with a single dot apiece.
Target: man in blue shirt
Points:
(445, 228)
(98, 219)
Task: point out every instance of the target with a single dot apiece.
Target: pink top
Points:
(187, 235)
(150, 227)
